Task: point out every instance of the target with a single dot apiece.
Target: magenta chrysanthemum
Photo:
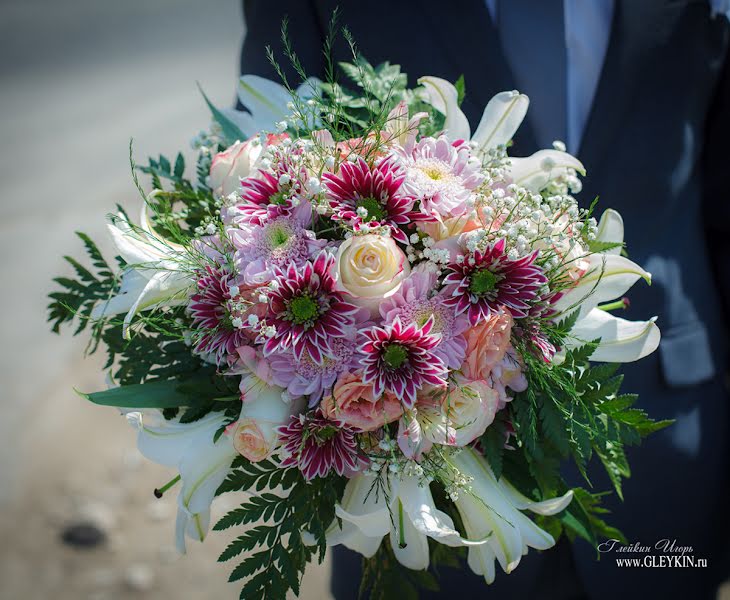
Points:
(360, 194)
(400, 358)
(488, 280)
(317, 445)
(213, 311)
(307, 311)
(414, 303)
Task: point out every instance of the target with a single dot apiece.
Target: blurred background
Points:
(78, 79)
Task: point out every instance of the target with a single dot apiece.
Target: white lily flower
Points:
(500, 120)
(153, 277)
(608, 276)
(266, 102)
(203, 464)
(492, 508)
(611, 229)
(408, 515)
(535, 171)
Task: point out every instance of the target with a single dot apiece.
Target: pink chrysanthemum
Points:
(443, 175)
(379, 191)
(488, 280)
(218, 316)
(276, 243)
(400, 358)
(307, 311)
(413, 303)
(308, 378)
(317, 445)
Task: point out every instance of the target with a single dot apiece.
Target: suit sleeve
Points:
(263, 19)
(716, 182)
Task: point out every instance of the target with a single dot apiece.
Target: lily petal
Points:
(611, 229)
(502, 117)
(546, 507)
(621, 340)
(266, 100)
(608, 277)
(443, 96)
(534, 172)
(410, 546)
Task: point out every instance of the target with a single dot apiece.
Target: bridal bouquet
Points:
(375, 322)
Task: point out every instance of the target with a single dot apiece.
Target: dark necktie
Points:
(532, 34)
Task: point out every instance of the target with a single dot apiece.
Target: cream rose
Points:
(371, 267)
(459, 415)
(229, 166)
(263, 411)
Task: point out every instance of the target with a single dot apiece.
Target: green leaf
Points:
(230, 130)
(157, 394)
(460, 86)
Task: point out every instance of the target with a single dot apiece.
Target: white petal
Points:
(501, 119)
(481, 561)
(443, 96)
(161, 288)
(621, 340)
(354, 539)
(203, 469)
(133, 284)
(242, 120)
(609, 276)
(266, 100)
(535, 171)
(372, 524)
(546, 507)
(165, 442)
(611, 229)
(418, 504)
(414, 551)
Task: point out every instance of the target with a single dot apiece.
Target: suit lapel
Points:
(470, 42)
(637, 28)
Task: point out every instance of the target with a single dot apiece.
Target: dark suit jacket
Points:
(656, 148)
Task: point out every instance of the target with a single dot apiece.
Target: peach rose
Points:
(353, 403)
(263, 410)
(486, 345)
(371, 267)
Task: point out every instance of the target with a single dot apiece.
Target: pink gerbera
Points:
(360, 194)
(487, 280)
(307, 311)
(400, 358)
(218, 314)
(317, 445)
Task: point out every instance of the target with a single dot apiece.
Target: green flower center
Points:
(482, 282)
(278, 237)
(395, 355)
(374, 208)
(279, 198)
(303, 309)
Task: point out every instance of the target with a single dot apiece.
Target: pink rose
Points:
(251, 441)
(229, 166)
(353, 403)
(486, 345)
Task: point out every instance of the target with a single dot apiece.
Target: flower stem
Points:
(621, 304)
(160, 491)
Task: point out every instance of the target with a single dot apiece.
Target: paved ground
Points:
(77, 79)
